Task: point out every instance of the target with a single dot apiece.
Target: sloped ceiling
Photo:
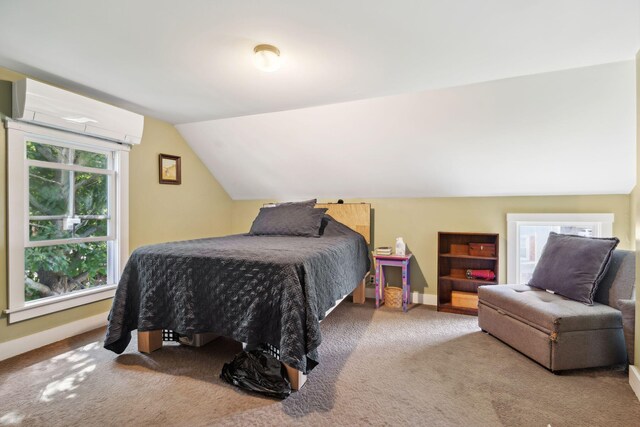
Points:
(374, 98)
(566, 132)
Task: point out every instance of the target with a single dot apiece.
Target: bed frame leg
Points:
(149, 341)
(296, 378)
(358, 293)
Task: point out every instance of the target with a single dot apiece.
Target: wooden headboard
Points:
(356, 216)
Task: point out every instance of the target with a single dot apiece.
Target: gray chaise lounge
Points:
(557, 332)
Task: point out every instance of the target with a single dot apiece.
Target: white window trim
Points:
(17, 207)
(602, 221)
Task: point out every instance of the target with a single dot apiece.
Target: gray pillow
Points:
(308, 203)
(288, 220)
(573, 266)
(628, 309)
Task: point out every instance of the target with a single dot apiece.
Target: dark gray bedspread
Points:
(255, 289)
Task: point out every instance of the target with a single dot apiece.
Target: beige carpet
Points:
(378, 368)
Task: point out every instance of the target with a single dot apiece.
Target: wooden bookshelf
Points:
(454, 260)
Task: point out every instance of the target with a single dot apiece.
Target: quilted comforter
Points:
(253, 289)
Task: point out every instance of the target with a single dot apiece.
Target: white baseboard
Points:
(31, 342)
(634, 380)
(416, 297)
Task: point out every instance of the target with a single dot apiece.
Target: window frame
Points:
(18, 133)
(602, 222)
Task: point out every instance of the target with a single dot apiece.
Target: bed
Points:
(271, 290)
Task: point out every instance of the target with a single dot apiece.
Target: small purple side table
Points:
(393, 261)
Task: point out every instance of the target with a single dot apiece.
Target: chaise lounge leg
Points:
(149, 341)
(296, 378)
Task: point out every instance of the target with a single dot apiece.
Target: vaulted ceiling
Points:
(191, 63)
(565, 132)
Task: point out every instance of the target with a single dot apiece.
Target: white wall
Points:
(566, 132)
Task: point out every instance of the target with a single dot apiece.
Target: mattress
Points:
(253, 289)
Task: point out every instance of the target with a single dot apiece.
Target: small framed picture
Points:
(170, 170)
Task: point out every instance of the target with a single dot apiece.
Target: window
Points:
(527, 234)
(67, 219)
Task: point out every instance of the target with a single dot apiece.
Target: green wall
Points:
(197, 208)
(419, 220)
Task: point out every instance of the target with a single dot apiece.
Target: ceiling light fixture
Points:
(266, 57)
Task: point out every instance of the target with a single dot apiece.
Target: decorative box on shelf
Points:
(464, 299)
(482, 249)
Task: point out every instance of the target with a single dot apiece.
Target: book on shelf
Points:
(383, 250)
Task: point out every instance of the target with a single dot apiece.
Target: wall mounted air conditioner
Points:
(50, 106)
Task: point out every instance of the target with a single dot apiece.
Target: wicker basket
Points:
(393, 297)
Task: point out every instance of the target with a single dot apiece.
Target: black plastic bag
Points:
(257, 371)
